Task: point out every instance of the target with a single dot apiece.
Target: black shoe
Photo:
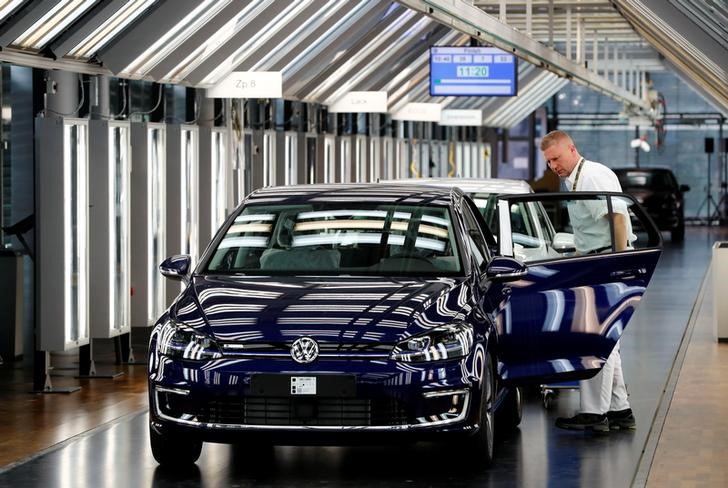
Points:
(584, 421)
(621, 419)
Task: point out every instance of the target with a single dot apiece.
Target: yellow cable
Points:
(451, 160)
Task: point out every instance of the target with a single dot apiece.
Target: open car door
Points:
(561, 320)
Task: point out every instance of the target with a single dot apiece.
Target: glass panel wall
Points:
(291, 162)
(345, 175)
(219, 179)
(329, 158)
(375, 158)
(467, 159)
(189, 153)
(401, 169)
(459, 160)
(414, 161)
(269, 158)
(119, 160)
(360, 163)
(156, 220)
(311, 153)
(425, 160)
(75, 206)
(390, 161)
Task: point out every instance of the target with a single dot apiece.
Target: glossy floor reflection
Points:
(534, 455)
(537, 454)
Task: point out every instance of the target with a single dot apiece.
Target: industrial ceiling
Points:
(325, 48)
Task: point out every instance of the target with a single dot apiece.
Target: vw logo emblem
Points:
(304, 350)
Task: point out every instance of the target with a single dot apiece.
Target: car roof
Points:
(472, 185)
(355, 193)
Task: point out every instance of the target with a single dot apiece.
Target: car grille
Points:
(326, 350)
(293, 411)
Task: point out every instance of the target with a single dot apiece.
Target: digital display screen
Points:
(461, 71)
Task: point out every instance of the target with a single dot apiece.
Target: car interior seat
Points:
(286, 256)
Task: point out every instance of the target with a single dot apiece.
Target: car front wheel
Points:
(174, 449)
(481, 445)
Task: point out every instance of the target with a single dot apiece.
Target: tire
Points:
(678, 233)
(510, 412)
(481, 445)
(173, 449)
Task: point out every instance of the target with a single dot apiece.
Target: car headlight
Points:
(178, 340)
(447, 342)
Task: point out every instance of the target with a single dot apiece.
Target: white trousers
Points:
(606, 391)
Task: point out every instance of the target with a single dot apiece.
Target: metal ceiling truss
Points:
(695, 50)
(325, 48)
(557, 20)
(473, 21)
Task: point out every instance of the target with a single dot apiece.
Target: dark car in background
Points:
(660, 194)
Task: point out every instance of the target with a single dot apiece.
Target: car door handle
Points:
(628, 274)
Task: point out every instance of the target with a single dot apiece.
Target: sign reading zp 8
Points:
(472, 71)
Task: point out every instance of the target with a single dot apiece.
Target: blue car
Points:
(343, 314)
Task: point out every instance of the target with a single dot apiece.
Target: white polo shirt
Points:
(591, 228)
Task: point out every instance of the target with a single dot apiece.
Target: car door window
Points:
(566, 313)
(476, 241)
(574, 226)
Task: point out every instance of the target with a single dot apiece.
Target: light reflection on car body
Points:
(410, 345)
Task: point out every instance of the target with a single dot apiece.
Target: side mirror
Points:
(176, 267)
(502, 268)
(684, 188)
(563, 242)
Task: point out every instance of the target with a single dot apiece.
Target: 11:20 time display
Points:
(472, 71)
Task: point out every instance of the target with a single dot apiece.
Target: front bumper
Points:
(214, 400)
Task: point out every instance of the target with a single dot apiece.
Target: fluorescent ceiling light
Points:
(256, 41)
(52, 23)
(110, 28)
(218, 39)
(7, 6)
(172, 39)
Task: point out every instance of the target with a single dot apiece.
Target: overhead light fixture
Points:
(173, 38)
(110, 28)
(640, 143)
(219, 38)
(255, 42)
(7, 6)
(52, 23)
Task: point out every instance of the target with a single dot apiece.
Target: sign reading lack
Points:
(361, 102)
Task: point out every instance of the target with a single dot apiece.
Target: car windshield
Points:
(338, 238)
(654, 180)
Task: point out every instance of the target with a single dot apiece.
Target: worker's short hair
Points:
(554, 137)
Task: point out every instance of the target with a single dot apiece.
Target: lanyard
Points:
(578, 173)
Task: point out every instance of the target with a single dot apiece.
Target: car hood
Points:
(338, 309)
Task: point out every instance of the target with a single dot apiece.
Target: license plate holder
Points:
(303, 385)
(281, 385)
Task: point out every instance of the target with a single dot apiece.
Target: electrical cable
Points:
(159, 100)
(80, 104)
(123, 85)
